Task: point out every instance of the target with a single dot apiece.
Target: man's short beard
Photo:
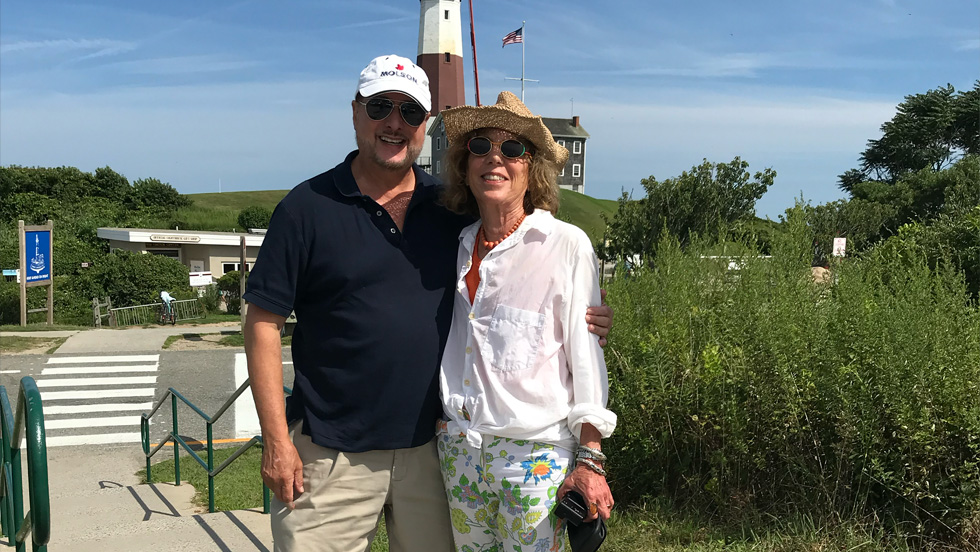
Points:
(412, 153)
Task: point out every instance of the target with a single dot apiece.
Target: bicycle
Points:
(166, 313)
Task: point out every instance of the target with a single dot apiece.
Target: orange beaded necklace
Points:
(491, 244)
(472, 277)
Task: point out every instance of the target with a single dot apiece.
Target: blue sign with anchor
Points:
(38, 251)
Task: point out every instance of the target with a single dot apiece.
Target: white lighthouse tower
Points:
(441, 52)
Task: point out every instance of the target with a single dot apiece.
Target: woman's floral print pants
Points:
(501, 495)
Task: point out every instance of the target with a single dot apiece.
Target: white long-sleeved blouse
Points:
(520, 361)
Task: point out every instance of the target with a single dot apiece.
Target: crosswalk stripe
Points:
(131, 421)
(98, 370)
(98, 394)
(139, 380)
(91, 359)
(97, 439)
(87, 408)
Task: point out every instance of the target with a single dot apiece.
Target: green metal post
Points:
(17, 475)
(210, 469)
(6, 427)
(265, 499)
(176, 433)
(37, 462)
(145, 435)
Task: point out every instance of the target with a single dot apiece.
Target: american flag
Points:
(514, 37)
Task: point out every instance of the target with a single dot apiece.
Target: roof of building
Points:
(562, 128)
(150, 235)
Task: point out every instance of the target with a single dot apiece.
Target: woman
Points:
(523, 383)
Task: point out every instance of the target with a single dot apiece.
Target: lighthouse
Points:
(441, 52)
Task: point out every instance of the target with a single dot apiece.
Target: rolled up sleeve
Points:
(590, 384)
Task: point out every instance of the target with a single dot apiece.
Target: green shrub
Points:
(211, 299)
(231, 291)
(254, 216)
(759, 391)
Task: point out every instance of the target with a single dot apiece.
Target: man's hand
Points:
(600, 319)
(282, 471)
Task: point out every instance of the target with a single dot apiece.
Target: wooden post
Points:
(241, 282)
(22, 274)
(96, 313)
(50, 226)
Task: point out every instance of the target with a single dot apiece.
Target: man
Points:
(366, 258)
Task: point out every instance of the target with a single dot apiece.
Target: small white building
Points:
(214, 252)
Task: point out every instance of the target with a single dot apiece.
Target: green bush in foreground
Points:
(759, 392)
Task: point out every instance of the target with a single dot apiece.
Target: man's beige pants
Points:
(345, 494)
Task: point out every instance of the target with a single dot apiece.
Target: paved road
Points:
(98, 398)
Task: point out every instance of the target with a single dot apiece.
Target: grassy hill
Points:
(219, 212)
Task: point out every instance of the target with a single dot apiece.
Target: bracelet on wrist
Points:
(589, 452)
(592, 466)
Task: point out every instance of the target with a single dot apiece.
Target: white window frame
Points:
(562, 173)
(576, 170)
(561, 143)
(236, 264)
(438, 167)
(167, 252)
(438, 142)
(577, 147)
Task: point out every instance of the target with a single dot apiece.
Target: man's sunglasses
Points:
(379, 108)
(481, 145)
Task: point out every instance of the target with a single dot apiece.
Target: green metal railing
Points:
(29, 421)
(174, 436)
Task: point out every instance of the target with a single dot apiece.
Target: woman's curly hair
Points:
(542, 181)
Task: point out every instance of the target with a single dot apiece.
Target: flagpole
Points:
(518, 36)
(523, 40)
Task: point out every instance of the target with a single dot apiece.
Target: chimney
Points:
(574, 120)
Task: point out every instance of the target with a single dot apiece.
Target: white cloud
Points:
(968, 45)
(97, 47)
(182, 65)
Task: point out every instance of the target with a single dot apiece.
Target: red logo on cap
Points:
(399, 67)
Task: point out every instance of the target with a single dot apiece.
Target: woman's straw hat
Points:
(509, 114)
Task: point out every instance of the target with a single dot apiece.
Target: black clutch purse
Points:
(582, 536)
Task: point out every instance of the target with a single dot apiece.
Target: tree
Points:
(151, 192)
(110, 184)
(930, 130)
(254, 216)
(31, 207)
(861, 222)
(708, 200)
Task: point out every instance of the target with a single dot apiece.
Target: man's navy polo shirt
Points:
(373, 308)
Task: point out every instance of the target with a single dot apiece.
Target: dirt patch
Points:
(199, 342)
(29, 345)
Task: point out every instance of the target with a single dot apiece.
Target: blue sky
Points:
(257, 94)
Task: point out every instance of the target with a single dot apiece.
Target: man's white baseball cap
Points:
(395, 74)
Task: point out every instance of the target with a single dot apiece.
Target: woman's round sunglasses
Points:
(379, 108)
(481, 145)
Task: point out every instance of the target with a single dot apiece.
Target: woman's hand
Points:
(592, 487)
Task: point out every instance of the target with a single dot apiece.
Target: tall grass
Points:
(759, 392)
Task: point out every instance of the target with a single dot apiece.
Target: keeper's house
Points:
(567, 132)
(201, 252)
